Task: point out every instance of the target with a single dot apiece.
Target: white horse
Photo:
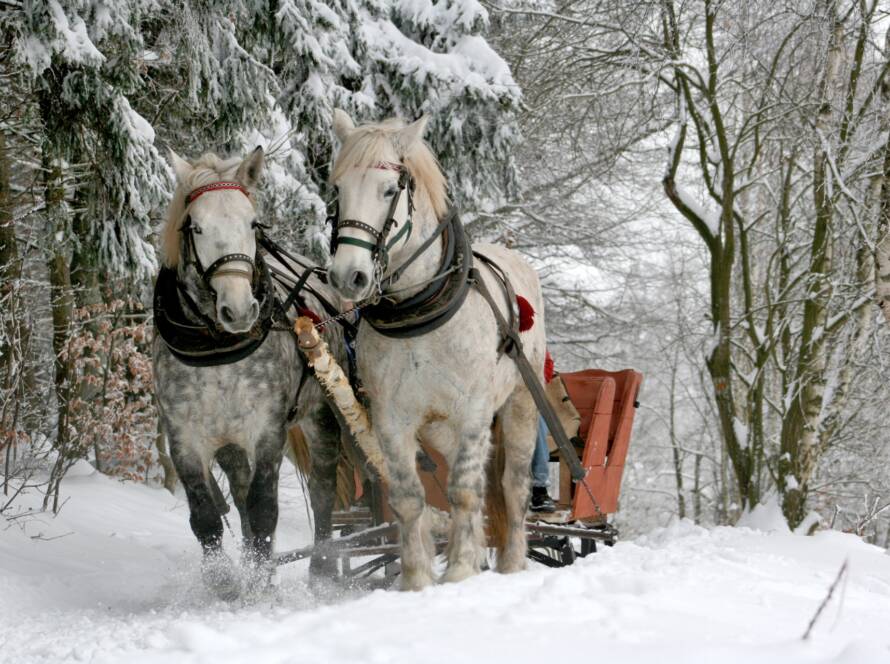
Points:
(446, 386)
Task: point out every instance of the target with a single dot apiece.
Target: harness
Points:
(380, 247)
(443, 296)
(198, 340)
(206, 344)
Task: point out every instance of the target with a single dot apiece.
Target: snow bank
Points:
(766, 516)
(124, 587)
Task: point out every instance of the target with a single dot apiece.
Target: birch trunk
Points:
(334, 381)
(882, 250)
(801, 428)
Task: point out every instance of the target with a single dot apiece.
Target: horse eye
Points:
(389, 193)
(196, 229)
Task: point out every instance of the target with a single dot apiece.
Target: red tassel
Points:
(526, 314)
(311, 315)
(548, 368)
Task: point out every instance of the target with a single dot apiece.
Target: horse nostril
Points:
(226, 314)
(359, 279)
(254, 310)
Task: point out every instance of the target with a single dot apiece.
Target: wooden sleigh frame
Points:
(604, 405)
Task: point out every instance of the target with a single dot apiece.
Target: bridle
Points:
(216, 268)
(381, 245)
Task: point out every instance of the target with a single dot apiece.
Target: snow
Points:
(72, 38)
(741, 432)
(766, 517)
(121, 584)
(472, 64)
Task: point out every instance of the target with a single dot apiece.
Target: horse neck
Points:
(417, 275)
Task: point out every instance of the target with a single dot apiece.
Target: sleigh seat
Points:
(605, 402)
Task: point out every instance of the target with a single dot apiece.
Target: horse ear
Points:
(408, 136)
(251, 168)
(343, 124)
(180, 166)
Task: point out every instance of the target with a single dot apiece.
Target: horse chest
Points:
(209, 407)
(453, 368)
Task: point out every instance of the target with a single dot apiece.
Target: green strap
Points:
(398, 236)
(370, 246)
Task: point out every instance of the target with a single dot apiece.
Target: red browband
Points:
(389, 166)
(215, 186)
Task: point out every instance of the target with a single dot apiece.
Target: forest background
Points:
(702, 185)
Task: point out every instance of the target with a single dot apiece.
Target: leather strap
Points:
(514, 350)
(214, 186)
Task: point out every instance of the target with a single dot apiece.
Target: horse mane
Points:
(366, 145)
(208, 168)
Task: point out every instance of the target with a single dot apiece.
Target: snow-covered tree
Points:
(83, 59)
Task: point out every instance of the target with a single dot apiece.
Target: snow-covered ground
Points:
(114, 578)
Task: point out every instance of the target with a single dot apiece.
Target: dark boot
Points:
(541, 500)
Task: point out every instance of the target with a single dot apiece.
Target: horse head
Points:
(376, 171)
(211, 237)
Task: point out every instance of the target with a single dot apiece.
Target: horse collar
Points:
(204, 344)
(440, 300)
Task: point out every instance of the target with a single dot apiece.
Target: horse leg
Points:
(233, 461)
(519, 418)
(322, 434)
(262, 507)
(205, 521)
(466, 491)
(408, 501)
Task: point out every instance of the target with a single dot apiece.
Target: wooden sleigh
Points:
(596, 409)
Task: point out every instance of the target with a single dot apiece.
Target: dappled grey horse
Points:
(228, 376)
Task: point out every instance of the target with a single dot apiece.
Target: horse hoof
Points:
(257, 573)
(219, 575)
(323, 567)
(511, 567)
(412, 582)
(456, 573)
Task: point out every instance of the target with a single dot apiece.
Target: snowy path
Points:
(124, 587)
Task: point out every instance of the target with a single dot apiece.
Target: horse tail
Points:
(495, 502)
(298, 451)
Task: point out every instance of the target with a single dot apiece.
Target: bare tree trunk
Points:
(62, 306)
(801, 428)
(15, 374)
(720, 241)
(678, 459)
(882, 250)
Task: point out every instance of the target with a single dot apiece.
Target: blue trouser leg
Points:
(541, 457)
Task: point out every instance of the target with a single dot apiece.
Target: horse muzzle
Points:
(351, 283)
(237, 317)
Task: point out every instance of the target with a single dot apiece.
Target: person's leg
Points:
(541, 500)
(541, 457)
